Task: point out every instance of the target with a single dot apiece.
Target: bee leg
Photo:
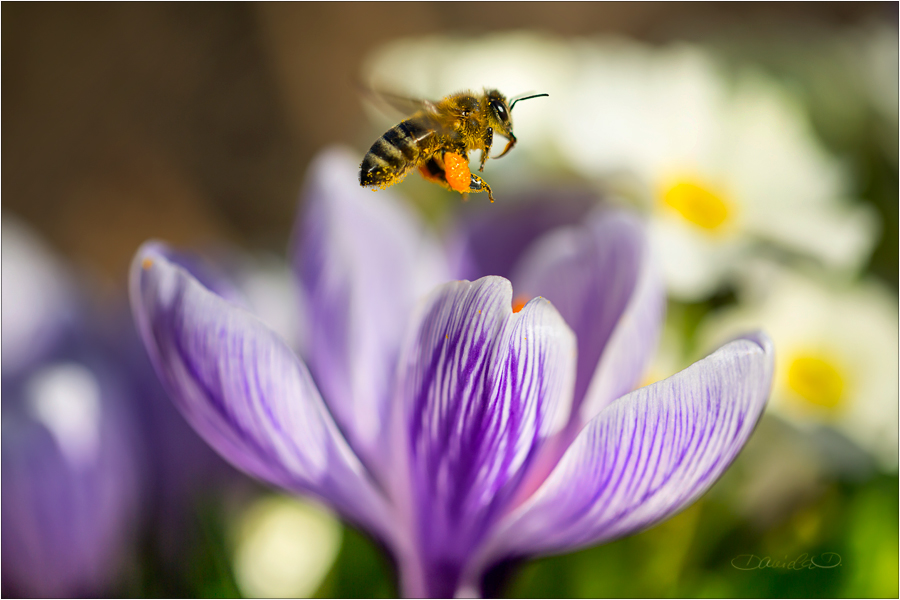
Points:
(480, 185)
(488, 142)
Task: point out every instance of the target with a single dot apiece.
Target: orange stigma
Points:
(519, 303)
(147, 263)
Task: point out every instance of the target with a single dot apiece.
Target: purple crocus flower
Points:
(458, 432)
(70, 491)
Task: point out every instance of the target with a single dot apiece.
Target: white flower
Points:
(836, 359)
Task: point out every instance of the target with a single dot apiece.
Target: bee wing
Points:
(398, 102)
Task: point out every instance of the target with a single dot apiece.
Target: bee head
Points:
(499, 113)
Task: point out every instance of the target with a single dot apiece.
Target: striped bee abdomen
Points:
(396, 152)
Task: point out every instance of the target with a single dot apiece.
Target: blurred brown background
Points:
(195, 122)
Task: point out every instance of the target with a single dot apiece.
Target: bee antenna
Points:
(525, 98)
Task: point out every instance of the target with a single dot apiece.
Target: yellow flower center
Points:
(816, 380)
(697, 204)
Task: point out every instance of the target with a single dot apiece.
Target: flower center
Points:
(697, 204)
(816, 380)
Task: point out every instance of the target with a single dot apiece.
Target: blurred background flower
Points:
(69, 463)
(837, 346)
(759, 139)
(284, 547)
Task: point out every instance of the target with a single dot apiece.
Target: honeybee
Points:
(437, 140)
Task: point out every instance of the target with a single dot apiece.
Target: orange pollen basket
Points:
(456, 170)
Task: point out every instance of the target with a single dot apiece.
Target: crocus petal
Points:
(490, 238)
(206, 273)
(363, 260)
(601, 278)
(243, 390)
(648, 455)
(69, 479)
(481, 388)
(38, 301)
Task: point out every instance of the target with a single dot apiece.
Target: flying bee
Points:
(437, 138)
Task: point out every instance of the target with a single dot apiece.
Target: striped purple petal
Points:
(646, 456)
(363, 260)
(243, 390)
(481, 388)
(601, 278)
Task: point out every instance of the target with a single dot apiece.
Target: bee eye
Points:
(500, 110)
